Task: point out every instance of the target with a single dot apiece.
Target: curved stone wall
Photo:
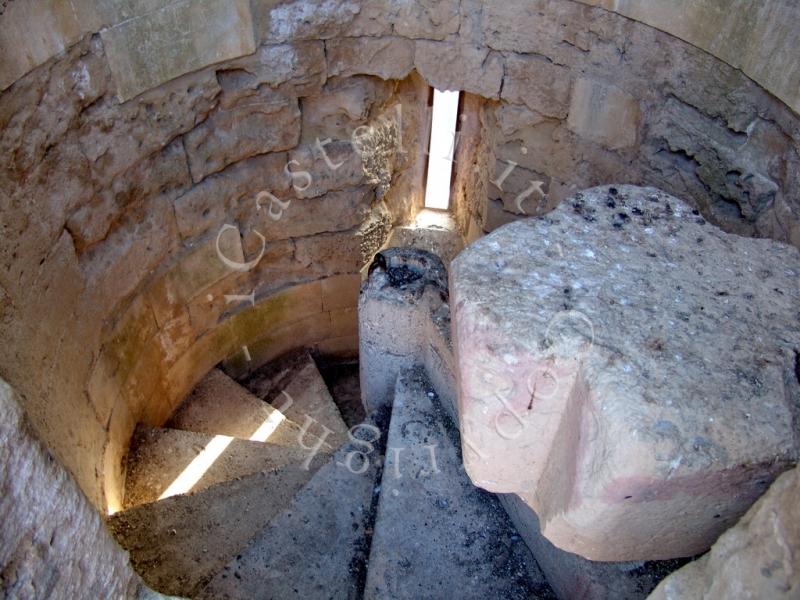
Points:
(144, 242)
(760, 38)
(127, 153)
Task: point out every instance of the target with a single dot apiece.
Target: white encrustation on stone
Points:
(628, 369)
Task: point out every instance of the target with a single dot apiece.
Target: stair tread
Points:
(434, 530)
(297, 377)
(220, 406)
(177, 544)
(160, 460)
(316, 548)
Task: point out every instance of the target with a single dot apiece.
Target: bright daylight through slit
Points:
(442, 148)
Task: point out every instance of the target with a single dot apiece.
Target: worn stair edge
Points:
(295, 384)
(168, 462)
(220, 406)
(433, 528)
(317, 548)
(179, 543)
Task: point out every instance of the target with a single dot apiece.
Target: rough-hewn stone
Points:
(387, 58)
(344, 105)
(293, 68)
(115, 136)
(426, 19)
(254, 124)
(629, 370)
(460, 66)
(757, 38)
(112, 174)
(538, 83)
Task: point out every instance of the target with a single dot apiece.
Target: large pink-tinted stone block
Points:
(629, 370)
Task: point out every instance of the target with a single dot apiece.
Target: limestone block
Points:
(538, 84)
(757, 558)
(39, 110)
(387, 58)
(344, 322)
(295, 68)
(604, 114)
(193, 275)
(165, 172)
(727, 168)
(275, 341)
(115, 267)
(341, 210)
(134, 329)
(460, 66)
(760, 39)
(148, 50)
(303, 19)
(330, 164)
(31, 33)
(231, 194)
(115, 136)
(344, 348)
(190, 368)
(343, 105)
(426, 19)
(254, 124)
(34, 214)
(628, 369)
(327, 253)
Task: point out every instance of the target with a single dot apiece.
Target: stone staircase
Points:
(260, 490)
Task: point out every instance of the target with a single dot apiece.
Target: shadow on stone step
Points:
(343, 383)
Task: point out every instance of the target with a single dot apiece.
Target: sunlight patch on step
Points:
(268, 427)
(198, 467)
(195, 470)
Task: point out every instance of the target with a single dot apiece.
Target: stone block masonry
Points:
(133, 132)
(629, 370)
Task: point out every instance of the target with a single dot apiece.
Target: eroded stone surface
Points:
(629, 370)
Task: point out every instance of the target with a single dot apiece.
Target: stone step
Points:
(435, 532)
(220, 406)
(179, 543)
(294, 383)
(167, 462)
(316, 548)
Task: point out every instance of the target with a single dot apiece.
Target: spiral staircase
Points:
(275, 488)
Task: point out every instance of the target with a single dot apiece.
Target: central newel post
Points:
(404, 288)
